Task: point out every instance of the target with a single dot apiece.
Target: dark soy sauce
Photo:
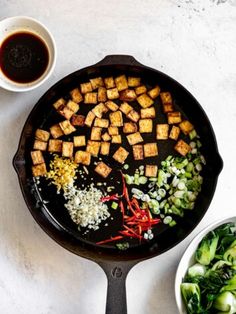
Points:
(24, 57)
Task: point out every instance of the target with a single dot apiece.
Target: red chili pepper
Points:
(109, 198)
(110, 240)
(132, 231)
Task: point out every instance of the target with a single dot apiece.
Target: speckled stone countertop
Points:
(193, 41)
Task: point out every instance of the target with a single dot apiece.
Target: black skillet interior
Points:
(47, 207)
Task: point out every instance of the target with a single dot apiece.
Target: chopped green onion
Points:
(126, 167)
(114, 205)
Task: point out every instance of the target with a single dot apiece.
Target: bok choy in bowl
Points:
(205, 281)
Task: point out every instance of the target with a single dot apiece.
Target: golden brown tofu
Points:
(76, 95)
(60, 102)
(155, 92)
(77, 120)
(133, 116)
(96, 82)
(130, 127)
(128, 95)
(121, 82)
(67, 127)
(151, 170)
(103, 169)
(148, 113)
(42, 135)
(67, 149)
(116, 139)
(166, 98)
(105, 148)
(86, 88)
(56, 131)
(109, 82)
(145, 101)
(182, 148)
(134, 81)
(40, 145)
(106, 137)
(79, 140)
(113, 130)
(120, 155)
(55, 146)
(174, 133)
(102, 94)
(73, 106)
(186, 127)
(116, 118)
(93, 148)
(37, 157)
(150, 150)
(174, 117)
(112, 93)
(91, 98)
(102, 123)
(140, 90)
(162, 131)
(89, 119)
(138, 152)
(99, 110)
(65, 112)
(112, 105)
(39, 170)
(168, 108)
(83, 158)
(125, 108)
(134, 138)
(145, 125)
(96, 133)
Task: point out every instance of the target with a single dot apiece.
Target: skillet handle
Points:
(116, 290)
(119, 60)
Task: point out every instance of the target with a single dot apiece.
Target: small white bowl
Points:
(187, 260)
(16, 24)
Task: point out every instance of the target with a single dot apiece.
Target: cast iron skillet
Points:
(55, 222)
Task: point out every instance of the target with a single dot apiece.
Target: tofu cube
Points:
(182, 148)
(89, 119)
(91, 98)
(168, 108)
(102, 94)
(55, 146)
(109, 82)
(120, 155)
(86, 88)
(56, 131)
(155, 92)
(134, 138)
(166, 98)
(148, 113)
(96, 82)
(37, 157)
(76, 95)
(79, 140)
(112, 93)
(106, 137)
(130, 127)
(102, 123)
(116, 118)
(145, 101)
(116, 139)
(96, 133)
(151, 171)
(112, 105)
(150, 150)
(140, 90)
(113, 130)
(133, 116)
(60, 102)
(67, 127)
(83, 158)
(99, 110)
(103, 169)
(105, 148)
(174, 117)
(162, 131)
(40, 145)
(145, 125)
(65, 112)
(174, 133)
(125, 108)
(93, 148)
(134, 81)
(67, 149)
(77, 120)
(73, 106)
(186, 127)
(42, 135)
(121, 82)
(39, 170)
(128, 95)
(138, 152)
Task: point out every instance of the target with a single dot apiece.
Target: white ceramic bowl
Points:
(187, 260)
(15, 24)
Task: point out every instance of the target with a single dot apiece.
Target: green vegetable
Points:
(197, 270)
(142, 180)
(114, 205)
(207, 248)
(225, 302)
(122, 246)
(192, 297)
(230, 255)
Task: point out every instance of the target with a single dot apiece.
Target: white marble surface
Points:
(195, 42)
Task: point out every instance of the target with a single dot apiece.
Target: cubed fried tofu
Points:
(144, 100)
(99, 110)
(125, 108)
(186, 127)
(102, 123)
(73, 106)
(174, 133)
(89, 119)
(112, 105)
(55, 146)
(113, 130)
(42, 135)
(86, 88)
(96, 82)
(60, 102)
(79, 140)
(138, 152)
(96, 133)
(128, 95)
(145, 125)
(109, 82)
(102, 94)
(166, 98)
(112, 93)
(56, 131)
(133, 116)
(76, 95)
(151, 170)
(174, 117)
(93, 148)
(65, 112)
(103, 169)
(116, 118)
(78, 120)
(106, 137)
(39, 170)
(140, 90)
(134, 138)
(116, 139)
(182, 148)
(162, 131)
(150, 150)
(83, 158)
(168, 108)
(134, 81)
(91, 98)
(67, 149)
(148, 113)
(40, 145)
(130, 127)
(120, 155)
(121, 82)
(67, 127)
(105, 148)
(154, 92)
(37, 157)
